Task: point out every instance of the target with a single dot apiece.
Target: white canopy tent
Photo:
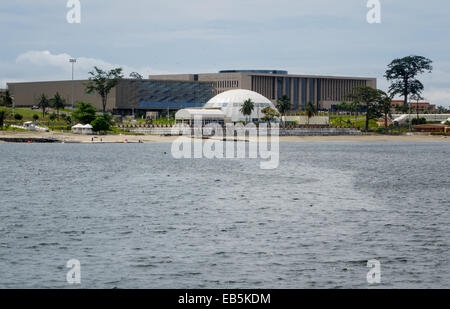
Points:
(82, 129)
(189, 115)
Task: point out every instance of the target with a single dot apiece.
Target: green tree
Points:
(3, 114)
(367, 98)
(247, 108)
(442, 110)
(385, 103)
(135, 75)
(417, 97)
(311, 110)
(284, 105)
(402, 74)
(57, 102)
(100, 124)
(101, 82)
(43, 103)
(6, 99)
(18, 116)
(269, 114)
(53, 117)
(85, 113)
(35, 117)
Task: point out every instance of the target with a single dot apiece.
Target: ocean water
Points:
(137, 218)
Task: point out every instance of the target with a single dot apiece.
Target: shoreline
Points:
(56, 137)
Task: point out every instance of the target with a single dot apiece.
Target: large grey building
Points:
(130, 95)
(324, 91)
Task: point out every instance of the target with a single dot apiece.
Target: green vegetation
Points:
(85, 113)
(385, 105)
(101, 124)
(284, 105)
(402, 74)
(18, 116)
(43, 103)
(247, 108)
(135, 75)
(6, 99)
(57, 102)
(269, 114)
(311, 110)
(3, 115)
(417, 121)
(101, 82)
(369, 99)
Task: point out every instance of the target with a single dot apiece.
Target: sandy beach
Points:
(76, 138)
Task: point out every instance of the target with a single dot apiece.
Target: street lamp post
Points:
(73, 61)
(13, 105)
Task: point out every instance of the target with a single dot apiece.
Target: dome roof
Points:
(236, 96)
(230, 102)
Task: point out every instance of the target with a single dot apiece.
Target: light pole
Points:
(73, 61)
(13, 99)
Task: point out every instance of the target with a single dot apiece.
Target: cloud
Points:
(45, 66)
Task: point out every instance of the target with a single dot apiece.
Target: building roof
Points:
(431, 126)
(191, 113)
(256, 71)
(237, 96)
(231, 102)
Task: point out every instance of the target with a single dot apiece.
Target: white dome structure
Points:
(230, 102)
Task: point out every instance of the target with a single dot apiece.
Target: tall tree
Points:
(367, 98)
(101, 82)
(247, 108)
(58, 102)
(85, 113)
(417, 97)
(284, 105)
(43, 103)
(6, 99)
(385, 103)
(402, 74)
(311, 110)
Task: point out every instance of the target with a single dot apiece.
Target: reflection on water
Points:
(136, 217)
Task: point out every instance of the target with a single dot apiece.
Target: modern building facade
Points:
(129, 96)
(324, 91)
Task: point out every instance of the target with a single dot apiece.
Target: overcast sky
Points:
(326, 37)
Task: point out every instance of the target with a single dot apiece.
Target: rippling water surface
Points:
(137, 218)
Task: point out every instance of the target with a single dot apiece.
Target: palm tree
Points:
(284, 105)
(311, 110)
(43, 103)
(247, 108)
(57, 102)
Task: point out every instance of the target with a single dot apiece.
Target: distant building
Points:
(324, 91)
(128, 97)
(420, 107)
(432, 128)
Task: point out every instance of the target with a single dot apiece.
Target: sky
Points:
(323, 37)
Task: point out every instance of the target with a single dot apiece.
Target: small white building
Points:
(82, 129)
